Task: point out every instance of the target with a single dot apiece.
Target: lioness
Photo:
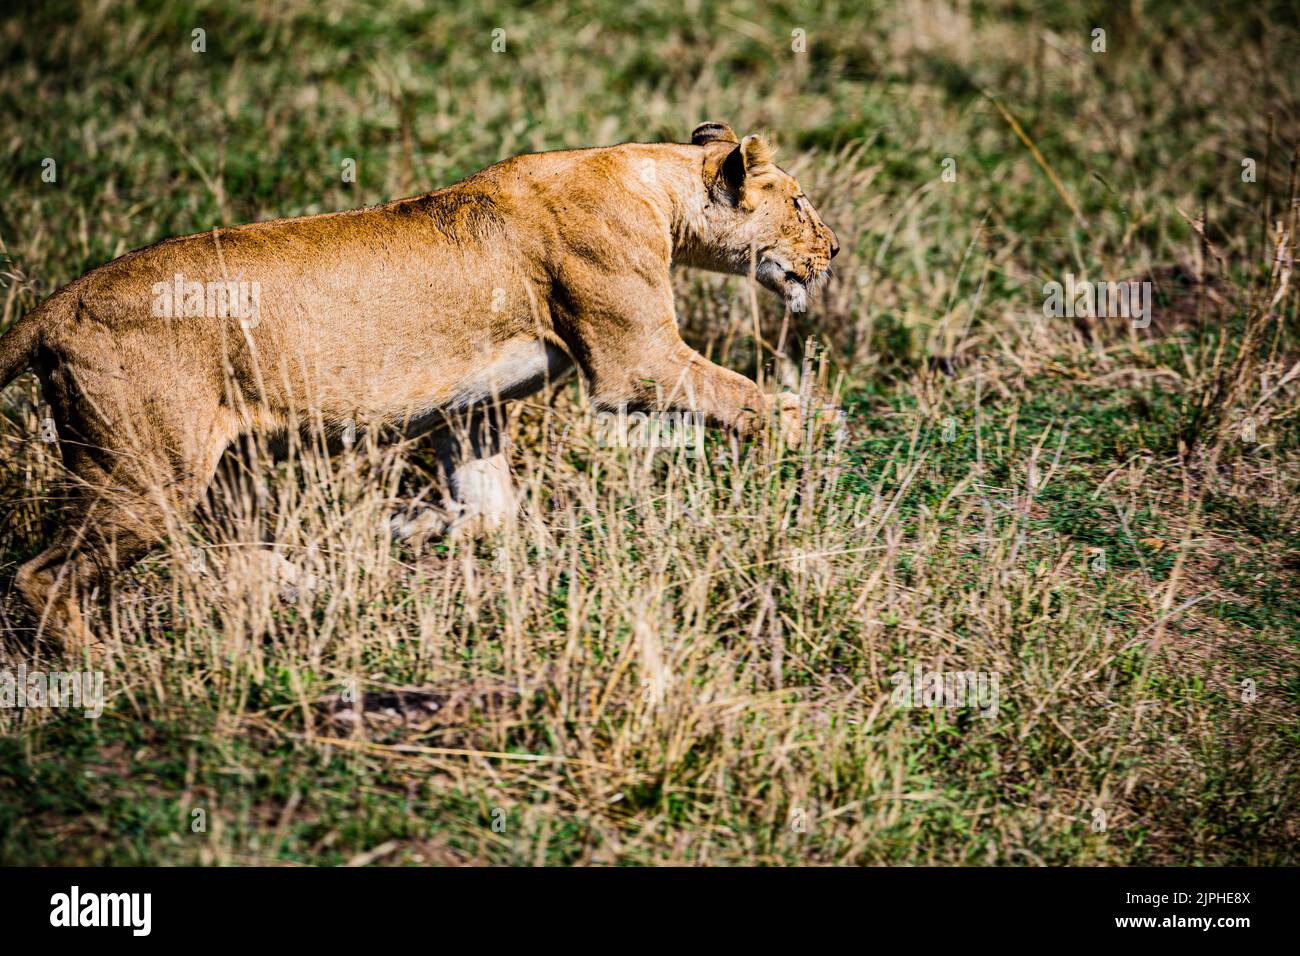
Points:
(399, 313)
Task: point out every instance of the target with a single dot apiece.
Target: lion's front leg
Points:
(683, 379)
(646, 363)
(481, 492)
(484, 494)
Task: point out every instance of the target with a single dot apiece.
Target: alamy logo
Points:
(656, 430)
(103, 909)
(24, 688)
(1102, 300)
(227, 299)
(977, 690)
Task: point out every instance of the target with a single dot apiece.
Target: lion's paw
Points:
(797, 418)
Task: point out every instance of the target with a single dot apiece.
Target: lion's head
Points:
(756, 216)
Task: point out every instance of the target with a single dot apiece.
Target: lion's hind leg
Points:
(130, 485)
(104, 533)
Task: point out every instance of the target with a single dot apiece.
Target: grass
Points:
(688, 661)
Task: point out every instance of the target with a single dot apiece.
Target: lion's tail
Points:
(18, 347)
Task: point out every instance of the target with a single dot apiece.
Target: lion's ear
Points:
(756, 151)
(750, 155)
(713, 133)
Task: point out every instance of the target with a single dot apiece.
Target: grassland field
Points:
(674, 660)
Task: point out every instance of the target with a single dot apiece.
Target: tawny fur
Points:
(396, 314)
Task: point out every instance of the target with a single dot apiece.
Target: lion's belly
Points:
(515, 369)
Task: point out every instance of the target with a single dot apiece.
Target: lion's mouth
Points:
(796, 288)
(792, 286)
(795, 291)
(784, 281)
